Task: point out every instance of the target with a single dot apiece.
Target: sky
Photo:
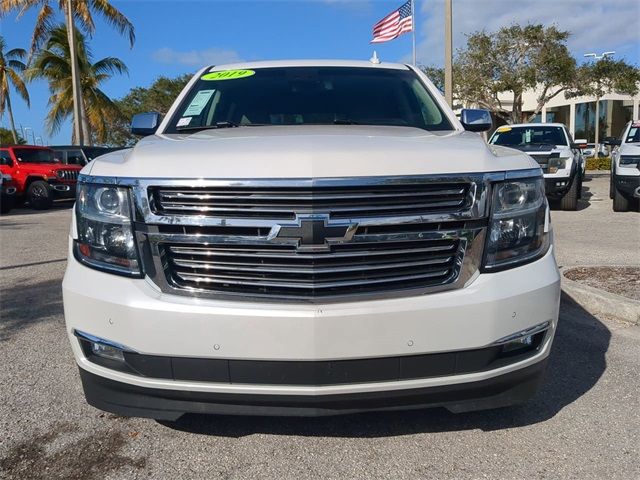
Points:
(180, 36)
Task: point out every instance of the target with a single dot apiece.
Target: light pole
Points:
(597, 135)
(26, 134)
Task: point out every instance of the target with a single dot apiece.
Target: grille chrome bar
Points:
(399, 245)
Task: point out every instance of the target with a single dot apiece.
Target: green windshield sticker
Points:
(198, 103)
(227, 75)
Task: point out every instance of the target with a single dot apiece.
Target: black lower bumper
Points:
(62, 190)
(131, 400)
(557, 188)
(627, 185)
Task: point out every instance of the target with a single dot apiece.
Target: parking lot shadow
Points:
(26, 303)
(577, 362)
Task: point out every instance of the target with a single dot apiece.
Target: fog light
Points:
(107, 351)
(523, 340)
(100, 347)
(560, 184)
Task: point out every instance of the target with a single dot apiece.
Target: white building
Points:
(579, 113)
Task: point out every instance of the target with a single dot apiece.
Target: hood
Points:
(308, 152)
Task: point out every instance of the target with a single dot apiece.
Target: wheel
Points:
(570, 199)
(39, 195)
(611, 187)
(620, 203)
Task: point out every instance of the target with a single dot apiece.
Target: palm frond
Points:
(115, 18)
(110, 65)
(19, 85)
(44, 23)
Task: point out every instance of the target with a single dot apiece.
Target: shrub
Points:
(602, 163)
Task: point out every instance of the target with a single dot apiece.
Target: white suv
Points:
(310, 238)
(560, 158)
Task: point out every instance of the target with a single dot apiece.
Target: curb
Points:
(597, 301)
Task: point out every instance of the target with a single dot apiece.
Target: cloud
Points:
(198, 58)
(595, 26)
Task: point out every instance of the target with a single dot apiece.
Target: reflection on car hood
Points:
(309, 152)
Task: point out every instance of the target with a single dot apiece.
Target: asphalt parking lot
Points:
(585, 423)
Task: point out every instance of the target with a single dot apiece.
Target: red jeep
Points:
(39, 178)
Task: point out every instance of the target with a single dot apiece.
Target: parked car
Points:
(624, 188)
(589, 151)
(289, 241)
(7, 193)
(79, 155)
(38, 178)
(551, 145)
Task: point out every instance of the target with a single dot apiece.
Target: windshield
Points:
(634, 134)
(34, 155)
(308, 95)
(524, 136)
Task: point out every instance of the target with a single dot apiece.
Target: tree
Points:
(53, 64)
(514, 59)
(605, 76)
(11, 68)
(156, 98)
(7, 137)
(80, 11)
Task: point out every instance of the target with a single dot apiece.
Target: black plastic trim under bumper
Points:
(131, 400)
(626, 185)
(554, 192)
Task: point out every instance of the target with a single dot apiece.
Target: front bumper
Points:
(134, 313)
(557, 187)
(62, 189)
(161, 404)
(627, 185)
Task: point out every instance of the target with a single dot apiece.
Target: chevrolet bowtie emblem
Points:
(313, 233)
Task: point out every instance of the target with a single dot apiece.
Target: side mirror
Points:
(143, 124)
(476, 120)
(612, 141)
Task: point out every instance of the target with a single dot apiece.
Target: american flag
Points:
(393, 25)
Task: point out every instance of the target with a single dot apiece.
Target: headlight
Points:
(518, 230)
(105, 232)
(629, 160)
(59, 173)
(556, 164)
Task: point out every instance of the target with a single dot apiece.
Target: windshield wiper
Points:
(207, 127)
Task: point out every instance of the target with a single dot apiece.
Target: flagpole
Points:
(413, 29)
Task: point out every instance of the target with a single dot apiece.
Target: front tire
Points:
(39, 195)
(570, 199)
(620, 203)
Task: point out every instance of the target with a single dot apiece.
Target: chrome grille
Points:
(68, 175)
(263, 239)
(280, 271)
(285, 203)
(543, 160)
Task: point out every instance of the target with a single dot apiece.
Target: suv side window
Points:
(75, 157)
(59, 155)
(5, 158)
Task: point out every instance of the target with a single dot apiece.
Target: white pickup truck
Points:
(624, 188)
(310, 238)
(560, 158)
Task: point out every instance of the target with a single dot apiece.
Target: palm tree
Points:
(80, 11)
(11, 69)
(53, 64)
